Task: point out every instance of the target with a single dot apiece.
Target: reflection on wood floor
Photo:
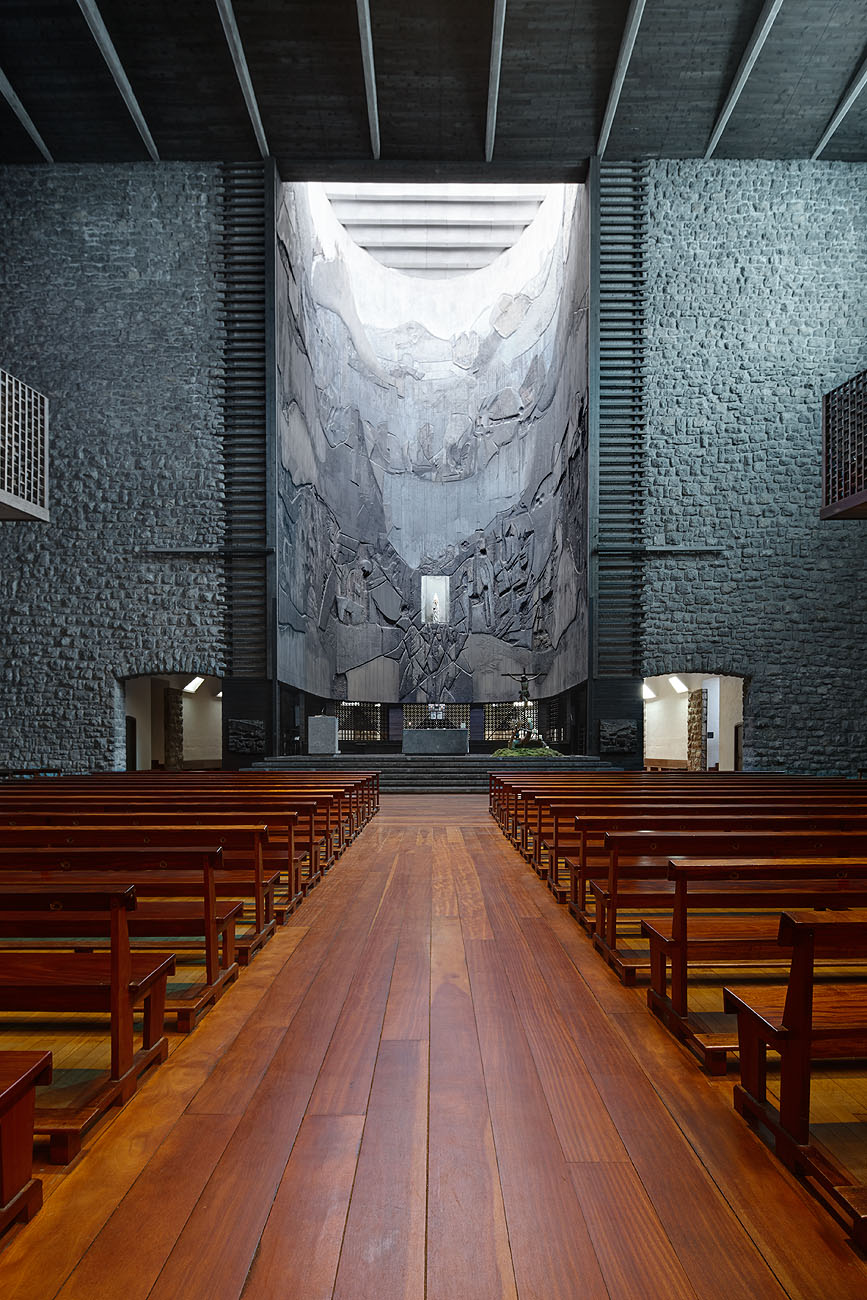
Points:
(428, 1085)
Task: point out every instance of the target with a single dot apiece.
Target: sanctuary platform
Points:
(432, 773)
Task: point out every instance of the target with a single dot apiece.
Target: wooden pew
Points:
(577, 854)
(520, 798)
(240, 873)
(638, 866)
(728, 887)
(302, 828)
(116, 983)
(121, 856)
(804, 1021)
(20, 1074)
(508, 789)
(355, 797)
(642, 859)
(278, 848)
(361, 786)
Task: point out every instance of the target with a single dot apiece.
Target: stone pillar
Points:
(174, 730)
(696, 731)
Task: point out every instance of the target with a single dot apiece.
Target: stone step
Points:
(431, 774)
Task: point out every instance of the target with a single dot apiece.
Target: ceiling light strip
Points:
(760, 34)
(494, 76)
(627, 45)
(845, 104)
(242, 72)
(23, 116)
(365, 32)
(99, 32)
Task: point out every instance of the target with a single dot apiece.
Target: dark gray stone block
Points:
(436, 740)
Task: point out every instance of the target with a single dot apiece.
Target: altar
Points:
(436, 740)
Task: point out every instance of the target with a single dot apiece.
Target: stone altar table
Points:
(436, 740)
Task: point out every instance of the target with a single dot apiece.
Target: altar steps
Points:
(431, 774)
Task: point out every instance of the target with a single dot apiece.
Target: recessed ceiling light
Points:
(678, 685)
(193, 685)
(646, 692)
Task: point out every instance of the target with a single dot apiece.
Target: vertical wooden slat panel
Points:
(243, 314)
(621, 417)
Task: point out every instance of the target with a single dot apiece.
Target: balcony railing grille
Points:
(844, 443)
(23, 450)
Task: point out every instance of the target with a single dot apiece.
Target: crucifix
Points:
(524, 679)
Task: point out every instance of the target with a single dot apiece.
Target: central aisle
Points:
(429, 1086)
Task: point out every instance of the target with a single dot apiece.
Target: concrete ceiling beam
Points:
(23, 116)
(105, 45)
(365, 32)
(857, 85)
(627, 45)
(761, 32)
(242, 72)
(497, 34)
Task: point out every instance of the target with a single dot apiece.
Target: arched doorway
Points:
(692, 721)
(172, 720)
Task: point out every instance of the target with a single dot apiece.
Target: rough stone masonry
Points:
(109, 304)
(756, 304)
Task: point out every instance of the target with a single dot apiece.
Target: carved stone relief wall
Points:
(431, 429)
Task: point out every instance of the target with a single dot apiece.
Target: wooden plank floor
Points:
(428, 1085)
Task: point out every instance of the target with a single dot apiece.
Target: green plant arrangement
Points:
(526, 751)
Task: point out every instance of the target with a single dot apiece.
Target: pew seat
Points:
(804, 1020)
(116, 983)
(20, 1192)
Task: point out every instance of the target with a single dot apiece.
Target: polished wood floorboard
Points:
(429, 1086)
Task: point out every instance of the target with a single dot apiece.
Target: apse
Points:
(432, 421)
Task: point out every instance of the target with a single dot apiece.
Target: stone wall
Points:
(756, 304)
(108, 304)
(432, 430)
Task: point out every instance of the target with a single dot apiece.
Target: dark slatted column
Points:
(244, 315)
(617, 455)
(621, 418)
(250, 699)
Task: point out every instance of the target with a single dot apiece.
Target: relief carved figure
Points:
(483, 588)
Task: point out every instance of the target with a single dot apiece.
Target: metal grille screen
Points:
(502, 719)
(436, 715)
(844, 438)
(359, 721)
(23, 450)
